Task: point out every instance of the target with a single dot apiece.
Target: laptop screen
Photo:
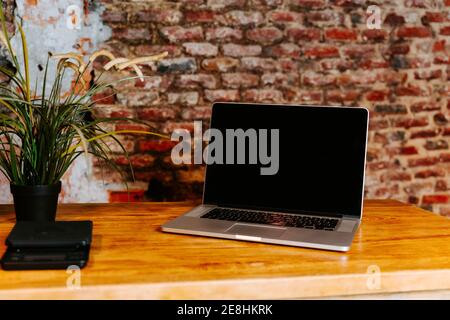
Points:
(287, 158)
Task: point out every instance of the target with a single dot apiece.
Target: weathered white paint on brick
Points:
(45, 25)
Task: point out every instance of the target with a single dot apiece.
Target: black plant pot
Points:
(36, 203)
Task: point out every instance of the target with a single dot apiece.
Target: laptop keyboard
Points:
(275, 219)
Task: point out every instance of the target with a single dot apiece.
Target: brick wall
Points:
(288, 51)
(294, 51)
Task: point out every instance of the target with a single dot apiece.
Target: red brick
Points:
(433, 17)
(355, 78)
(408, 150)
(287, 65)
(442, 59)
(196, 113)
(137, 161)
(302, 34)
(131, 34)
(380, 165)
(310, 96)
(411, 90)
(376, 95)
(259, 64)
(317, 79)
(413, 32)
(138, 99)
(429, 173)
(387, 192)
(433, 145)
(396, 176)
(126, 196)
(323, 18)
(283, 50)
(319, 52)
(185, 98)
(342, 96)
(410, 122)
(415, 3)
(441, 185)
(437, 198)
(373, 64)
(192, 81)
(445, 31)
(425, 106)
(200, 49)
(428, 74)
(398, 48)
(222, 64)
(263, 95)
(240, 80)
(266, 35)
(156, 114)
(242, 18)
(131, 127)
(439, 46)
(336, 64)
(222, 95)
(441, 119)
(308, 4)
(223, 34)
(237, 50)
(281, 17)
(222, 4)
(199, 16)
(444, 157)
(444, 210)
(162, 83)
(378, 124)
(390, 109)
(121, 113)
(156, 145)
(175, 34)
(105, 97)
(424, 134)
(114, 16)
(359, 51)
(280, 79)
(394, 20)
(171, 126)
(420, 162)
(159, 15)
(418, 62)
(374, 34)
(341, 34)
(147, 50)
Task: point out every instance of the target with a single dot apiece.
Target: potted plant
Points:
(44, 131)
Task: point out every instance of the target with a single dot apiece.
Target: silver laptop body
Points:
(339, 165)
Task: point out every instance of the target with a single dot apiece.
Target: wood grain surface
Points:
(398, 248)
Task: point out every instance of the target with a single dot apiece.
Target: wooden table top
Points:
(398, 248)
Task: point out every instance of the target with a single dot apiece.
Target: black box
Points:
(48, 245)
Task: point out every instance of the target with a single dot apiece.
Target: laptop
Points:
(282, 174)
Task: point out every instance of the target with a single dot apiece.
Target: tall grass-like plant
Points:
(45, 131)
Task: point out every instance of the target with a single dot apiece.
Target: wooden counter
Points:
(399, 249)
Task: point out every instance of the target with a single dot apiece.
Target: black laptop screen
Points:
(321, 158)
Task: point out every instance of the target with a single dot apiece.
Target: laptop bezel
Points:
(359, 215)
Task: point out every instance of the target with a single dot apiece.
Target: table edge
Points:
(258, 288)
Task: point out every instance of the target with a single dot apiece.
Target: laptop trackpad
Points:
(255, 231)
